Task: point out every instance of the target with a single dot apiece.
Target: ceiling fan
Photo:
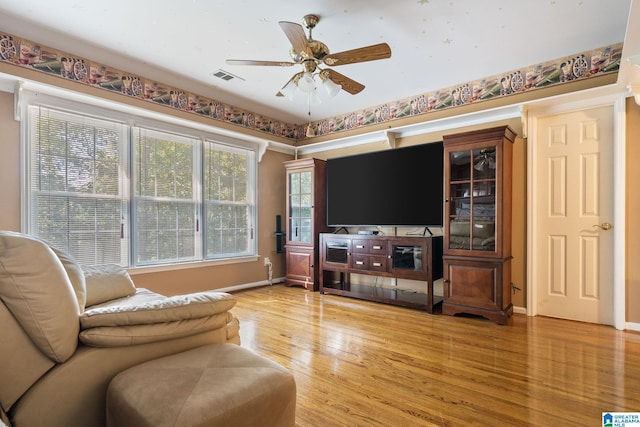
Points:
(312, 54)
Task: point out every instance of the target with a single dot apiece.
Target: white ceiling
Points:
(435, 43)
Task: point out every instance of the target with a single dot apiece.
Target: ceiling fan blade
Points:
(363, 54)
(254, 62)
(348, 85)
(295, 34)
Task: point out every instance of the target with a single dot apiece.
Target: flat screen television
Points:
(395, 187)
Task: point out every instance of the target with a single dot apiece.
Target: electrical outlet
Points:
(267, 261)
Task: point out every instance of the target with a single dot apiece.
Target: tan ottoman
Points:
(214, 385)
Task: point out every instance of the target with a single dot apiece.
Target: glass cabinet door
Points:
(300, 207)
(407, 257)
(472, 207)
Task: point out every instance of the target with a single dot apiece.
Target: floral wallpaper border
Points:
(25, 53)
(559, 71)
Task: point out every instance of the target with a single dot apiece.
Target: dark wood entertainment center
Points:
(473, 256)
(402, 257)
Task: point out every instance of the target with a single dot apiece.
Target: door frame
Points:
(533, 114)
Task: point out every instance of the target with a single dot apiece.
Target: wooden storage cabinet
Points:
(417, 258)
(306, 218)
(300, 267)
(491, 288)
(477, 223)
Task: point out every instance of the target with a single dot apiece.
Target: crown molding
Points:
(391, 135)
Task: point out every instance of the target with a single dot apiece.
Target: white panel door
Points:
(575, 211)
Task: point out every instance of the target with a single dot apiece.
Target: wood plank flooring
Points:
(359, 363)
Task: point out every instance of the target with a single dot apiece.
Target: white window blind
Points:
(79, 198)
(229, 210)
(165, 197)
(156, 193)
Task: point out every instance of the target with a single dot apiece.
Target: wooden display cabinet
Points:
(477, 223)
(306, 218)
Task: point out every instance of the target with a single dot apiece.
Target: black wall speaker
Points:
(279, 235)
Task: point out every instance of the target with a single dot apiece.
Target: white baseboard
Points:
(520, 310)
(251, 285)
(631, 326)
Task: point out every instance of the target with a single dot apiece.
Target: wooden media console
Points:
(400, 257)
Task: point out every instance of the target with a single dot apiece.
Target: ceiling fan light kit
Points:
(311, 55)
(289, 90)
(330, 86)
(306, 83)
(314, 97)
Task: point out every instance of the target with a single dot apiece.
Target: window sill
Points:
(189, 265)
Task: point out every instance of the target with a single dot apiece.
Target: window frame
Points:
(78, 198)
(130, 116)
(252, 195)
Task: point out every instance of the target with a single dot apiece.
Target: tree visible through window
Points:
(228, 210)
(78, 197)
(85, 197)
(165, 197)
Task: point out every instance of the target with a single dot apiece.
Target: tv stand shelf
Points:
(401, 257)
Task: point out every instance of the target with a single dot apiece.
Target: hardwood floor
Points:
(359, 363)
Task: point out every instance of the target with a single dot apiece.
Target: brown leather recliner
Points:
(66, 330)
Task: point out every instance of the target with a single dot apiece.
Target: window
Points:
(227, 197)
(164, 197)
(78, 193)
(86, 197)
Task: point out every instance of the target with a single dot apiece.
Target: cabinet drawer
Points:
(359, 246)
(359, 261)
(378, 263)
(369, 262)
(378, 247)
(366, 246)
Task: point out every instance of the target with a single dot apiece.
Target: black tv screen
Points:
(395, 187)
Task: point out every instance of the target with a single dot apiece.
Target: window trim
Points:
(80, 118)
(92, 107)
(252, 194)
(136, 132)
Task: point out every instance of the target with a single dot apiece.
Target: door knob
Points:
(604, 226)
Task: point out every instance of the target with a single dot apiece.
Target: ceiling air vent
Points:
(225, 75)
